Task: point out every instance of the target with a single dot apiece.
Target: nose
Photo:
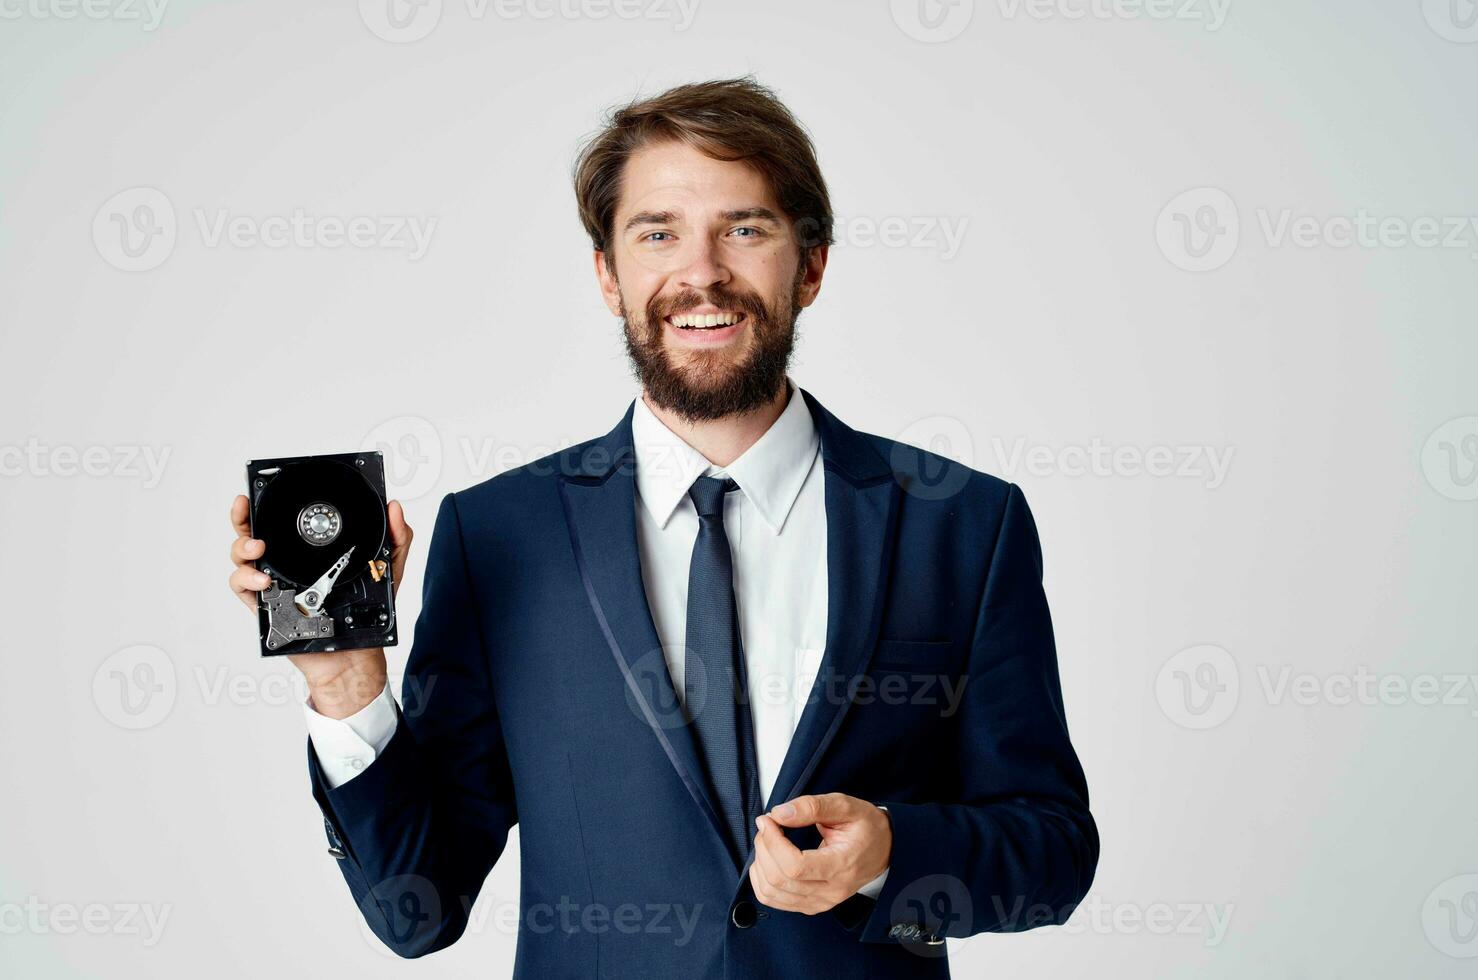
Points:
(704, 269)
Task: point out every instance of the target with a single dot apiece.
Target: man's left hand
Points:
(856, 846)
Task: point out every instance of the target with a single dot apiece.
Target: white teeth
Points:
(704, 321)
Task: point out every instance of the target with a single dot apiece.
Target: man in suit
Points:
(767, 696)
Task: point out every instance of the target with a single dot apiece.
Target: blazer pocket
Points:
(912, 653)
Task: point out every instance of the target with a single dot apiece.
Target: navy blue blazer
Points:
(536, 693)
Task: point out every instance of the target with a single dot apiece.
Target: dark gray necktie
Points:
(715, 694)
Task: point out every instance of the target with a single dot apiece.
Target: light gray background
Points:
(1250, 655)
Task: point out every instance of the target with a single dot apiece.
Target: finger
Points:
(245, 550)
(777, 856)
(400, 531)
(761, 887)
(803, 811)
(240, 516)
(775, 879)
(806, 904)
(770, 896)
(791, 864)
(247, 579)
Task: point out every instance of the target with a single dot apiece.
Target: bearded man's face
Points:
(705, 272)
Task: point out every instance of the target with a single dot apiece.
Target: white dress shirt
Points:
(776, 525)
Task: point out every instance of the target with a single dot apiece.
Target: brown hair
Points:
(728, 119)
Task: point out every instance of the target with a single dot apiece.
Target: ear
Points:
(810, 276)
(610, 289)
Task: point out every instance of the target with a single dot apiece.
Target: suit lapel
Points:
(861, 518)
(598, 491)
(599, 496)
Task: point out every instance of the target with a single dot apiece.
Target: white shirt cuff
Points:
(872, 888)
(346, 747)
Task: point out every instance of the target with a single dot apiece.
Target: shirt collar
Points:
(770, 472)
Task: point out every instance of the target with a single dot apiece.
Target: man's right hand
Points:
(342, 682)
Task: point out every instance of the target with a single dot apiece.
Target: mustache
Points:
(690, 299)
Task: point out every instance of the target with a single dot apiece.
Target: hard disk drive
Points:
(328, 552)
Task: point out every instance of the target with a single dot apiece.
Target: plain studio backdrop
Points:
(1199, 277)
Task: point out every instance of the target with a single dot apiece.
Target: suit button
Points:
(743, 914)
(338, 853)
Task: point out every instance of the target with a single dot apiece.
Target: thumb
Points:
(803, 811)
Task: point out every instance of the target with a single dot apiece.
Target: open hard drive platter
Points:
(328, 553)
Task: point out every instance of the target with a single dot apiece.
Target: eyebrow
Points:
(755, 213)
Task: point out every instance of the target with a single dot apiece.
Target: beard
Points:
(703, 385)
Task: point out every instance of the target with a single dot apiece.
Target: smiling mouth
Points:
(705, 321)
